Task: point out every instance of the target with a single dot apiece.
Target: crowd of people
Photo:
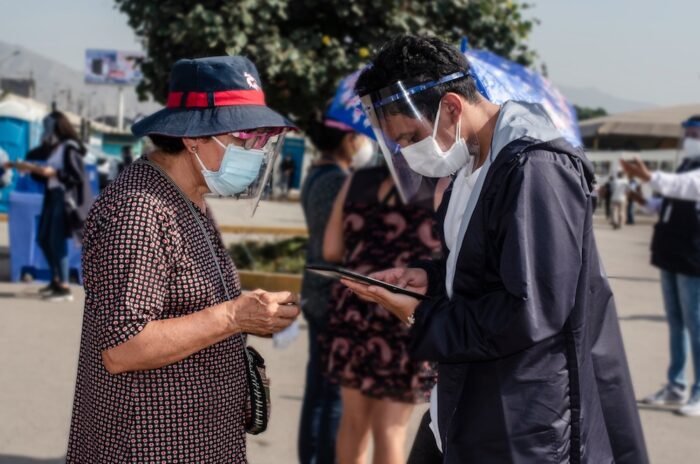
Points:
(481, 214)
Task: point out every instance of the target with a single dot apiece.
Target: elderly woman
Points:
(162, 367)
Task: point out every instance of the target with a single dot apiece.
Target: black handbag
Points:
(257, 409)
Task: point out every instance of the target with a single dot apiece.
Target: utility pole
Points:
(120, 111)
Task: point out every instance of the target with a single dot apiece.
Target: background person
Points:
(675, 250)
(67, 198)
(366, 347)
(681, 185)
(340, 148)
(127, 158)
(288, 167)
(619, 191)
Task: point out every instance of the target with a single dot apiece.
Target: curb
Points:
(270, 281)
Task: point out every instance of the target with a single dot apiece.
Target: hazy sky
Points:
(644, 50)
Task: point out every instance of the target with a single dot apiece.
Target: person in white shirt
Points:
(680, 186)
(676, 252)
(620, 188)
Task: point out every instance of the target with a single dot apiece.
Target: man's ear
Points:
(453, 105)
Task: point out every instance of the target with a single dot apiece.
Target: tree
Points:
(584, 112)
(302, 48)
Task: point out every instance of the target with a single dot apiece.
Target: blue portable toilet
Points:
(20, 131)
(294, 148)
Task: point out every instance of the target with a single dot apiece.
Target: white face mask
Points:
(362, 156)
(428, 159)
(691, 147)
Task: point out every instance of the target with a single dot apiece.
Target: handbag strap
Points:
(191, 207)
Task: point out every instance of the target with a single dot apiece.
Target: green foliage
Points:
(282, 256)
(588, 113)
(302, 48)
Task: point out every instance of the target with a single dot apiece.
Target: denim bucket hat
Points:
(210, 96)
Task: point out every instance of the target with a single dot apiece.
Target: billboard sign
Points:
(112, 67)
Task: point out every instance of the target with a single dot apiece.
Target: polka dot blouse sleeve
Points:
(129, 260)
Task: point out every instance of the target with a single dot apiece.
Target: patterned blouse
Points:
(145, 258)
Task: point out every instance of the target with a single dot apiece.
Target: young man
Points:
(520, 316)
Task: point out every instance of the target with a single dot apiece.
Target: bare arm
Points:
(333, 243)
(164, 342)
(32, 168)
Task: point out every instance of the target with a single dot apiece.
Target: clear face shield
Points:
(420, 143)
(245, 172)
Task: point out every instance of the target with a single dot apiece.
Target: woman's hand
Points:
(263, 313)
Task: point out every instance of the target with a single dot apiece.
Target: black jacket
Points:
(532, 365)
(675, 246)
(78, 196)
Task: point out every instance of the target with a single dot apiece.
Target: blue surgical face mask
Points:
(239, 168)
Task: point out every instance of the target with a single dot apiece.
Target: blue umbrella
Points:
(346, 107)
(497, 79)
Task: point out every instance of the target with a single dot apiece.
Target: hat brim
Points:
(202, 122)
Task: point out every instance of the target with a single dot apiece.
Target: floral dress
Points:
(366, 346)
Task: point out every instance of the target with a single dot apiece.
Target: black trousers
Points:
(424, 449)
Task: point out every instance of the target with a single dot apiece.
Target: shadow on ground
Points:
(7, 459)
(4, 265)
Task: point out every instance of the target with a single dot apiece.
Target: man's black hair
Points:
(418, 59)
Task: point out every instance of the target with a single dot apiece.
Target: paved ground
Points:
(39, 342)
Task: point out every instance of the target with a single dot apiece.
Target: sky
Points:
(639, 50)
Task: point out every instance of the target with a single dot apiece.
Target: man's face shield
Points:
(401, 115)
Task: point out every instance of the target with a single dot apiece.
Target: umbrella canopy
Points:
(346, 107)
(498, 80)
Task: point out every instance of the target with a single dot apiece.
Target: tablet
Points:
(336, 272)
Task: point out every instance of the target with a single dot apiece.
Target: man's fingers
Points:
(381, 295)
(389, 275)
(359, 289)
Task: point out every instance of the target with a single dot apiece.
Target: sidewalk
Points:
(39, 344)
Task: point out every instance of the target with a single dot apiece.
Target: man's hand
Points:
(636, 168)
(402, 306)
(413, 279)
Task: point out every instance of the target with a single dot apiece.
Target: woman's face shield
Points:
(401, 115)
(253, 157)
(261, 188)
